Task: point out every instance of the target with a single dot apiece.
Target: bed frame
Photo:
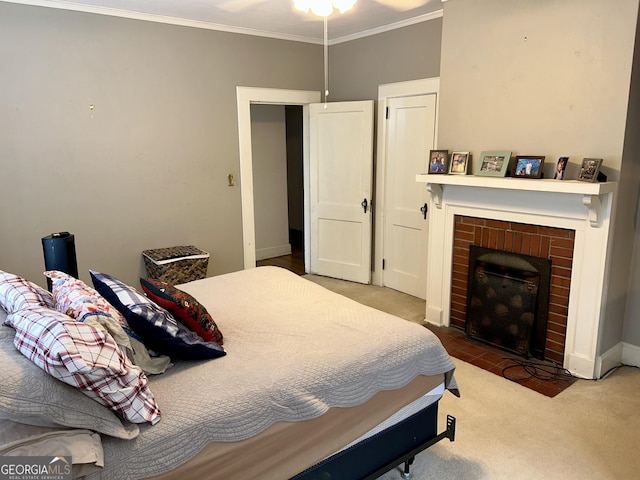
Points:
(376, 455)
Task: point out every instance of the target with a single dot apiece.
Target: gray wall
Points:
(269, 160)
(549, 78)
(356, 68)
(148, 166)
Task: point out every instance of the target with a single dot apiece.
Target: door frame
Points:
(387, 91)
(245, 96)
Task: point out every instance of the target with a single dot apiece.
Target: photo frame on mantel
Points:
(438, 161)
(528, 166)
(459, 163)
(589, 169)
(561, 167)
(492, 163)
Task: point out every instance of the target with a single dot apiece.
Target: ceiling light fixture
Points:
(324, 8)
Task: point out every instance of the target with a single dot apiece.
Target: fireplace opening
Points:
(508, 300)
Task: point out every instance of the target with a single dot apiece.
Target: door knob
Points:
(365, 204)
(424, 209)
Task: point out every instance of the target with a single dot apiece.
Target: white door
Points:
(410, 136)
(340, 185)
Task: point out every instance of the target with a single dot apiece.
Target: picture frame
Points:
(459, 163)
(589, 169)
(561, 167)
(528, 166)
(493, 163)
(438, 162)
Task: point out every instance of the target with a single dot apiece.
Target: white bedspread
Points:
(294, 349)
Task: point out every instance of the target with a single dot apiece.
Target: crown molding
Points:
(150, 17)
(389, 27)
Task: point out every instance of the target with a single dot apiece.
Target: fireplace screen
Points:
(507, 300)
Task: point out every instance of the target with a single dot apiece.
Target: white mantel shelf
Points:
(510, 183)
(591, 192)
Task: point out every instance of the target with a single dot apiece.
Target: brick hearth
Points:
(555, 244)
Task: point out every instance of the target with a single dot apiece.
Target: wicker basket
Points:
(175, 265)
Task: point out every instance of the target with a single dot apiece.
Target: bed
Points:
(311, 385)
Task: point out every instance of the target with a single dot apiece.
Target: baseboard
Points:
(630, 354)
(608, 360)
(620, 354)
(434, 317)
(271, 252)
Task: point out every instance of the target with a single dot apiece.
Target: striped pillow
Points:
(160, 331)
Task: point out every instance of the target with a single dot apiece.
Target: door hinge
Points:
(383, 263)
(386, 114)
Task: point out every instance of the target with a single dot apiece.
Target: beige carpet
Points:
(590, 431)
(397, 303)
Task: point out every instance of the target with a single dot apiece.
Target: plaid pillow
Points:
(160, 331)
(31, 396)
(85, 357)
(17, 293)
(184, 307)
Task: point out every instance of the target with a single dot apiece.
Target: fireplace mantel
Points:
(583, 207)
(591, 192)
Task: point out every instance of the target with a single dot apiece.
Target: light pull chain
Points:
(326, 63)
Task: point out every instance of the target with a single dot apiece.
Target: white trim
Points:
(387, 28)
(152, 17)
(272, 252)
(620, 354)
(630, 354)
(186, 22)
(387, 91)
(245, 97)
(608, 360)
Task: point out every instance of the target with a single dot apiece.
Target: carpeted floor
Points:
(397, 303)
(591, 430)
(506, 432)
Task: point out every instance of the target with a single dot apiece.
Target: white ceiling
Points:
(270, 18)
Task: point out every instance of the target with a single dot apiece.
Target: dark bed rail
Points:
(409, 457)
(378, 454)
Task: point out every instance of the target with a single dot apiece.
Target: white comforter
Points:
(294, 349)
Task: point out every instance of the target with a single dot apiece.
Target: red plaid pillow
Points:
(17, 293)
(184, 307)
(84, 357)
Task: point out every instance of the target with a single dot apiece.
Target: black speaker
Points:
(60, 254)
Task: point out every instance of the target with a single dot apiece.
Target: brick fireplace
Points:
(555, 244)
(568, 222)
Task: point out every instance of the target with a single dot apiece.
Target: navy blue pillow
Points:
(159, 330)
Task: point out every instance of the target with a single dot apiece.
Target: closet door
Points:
(410, 137)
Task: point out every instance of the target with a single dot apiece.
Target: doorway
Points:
(277, 148)
(336, 112)
(246, 96)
